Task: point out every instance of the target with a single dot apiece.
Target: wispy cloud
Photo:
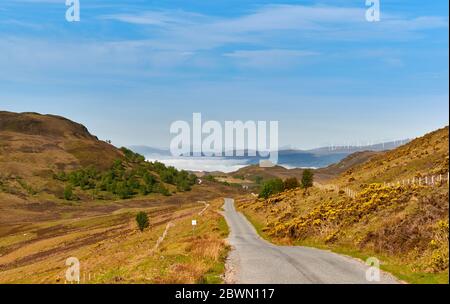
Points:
(264, 29)
(178, 41)
(270, 58)
(159, 18)
(302, 19)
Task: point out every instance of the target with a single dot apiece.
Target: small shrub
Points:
(307, 179)
(142, 221)
(210, 178)
(291, 183)
(68, 193)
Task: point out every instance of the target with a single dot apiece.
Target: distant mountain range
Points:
(147, 151)
(288, 158)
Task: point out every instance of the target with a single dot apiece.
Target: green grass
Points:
(113, 275)
(223, 227)
(215, 273)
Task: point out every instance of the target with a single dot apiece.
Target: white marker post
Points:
(194, 223)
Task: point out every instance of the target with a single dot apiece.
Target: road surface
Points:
(256, 261)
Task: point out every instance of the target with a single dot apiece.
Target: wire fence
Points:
(429, 180)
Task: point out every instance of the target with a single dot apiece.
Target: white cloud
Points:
(177, 30)
(291, 17)
(270, 58)
(303, 19)
(175, 38)
(158, 18)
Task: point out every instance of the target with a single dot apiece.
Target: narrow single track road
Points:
(256, 261)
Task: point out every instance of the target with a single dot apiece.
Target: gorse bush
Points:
(142, 221)
(129, 177)
(342, 212)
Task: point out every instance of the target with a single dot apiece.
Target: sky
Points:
(129, 69)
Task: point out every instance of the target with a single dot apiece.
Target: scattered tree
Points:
(128, 177)
(271, 187)
(307, 179)
(142, 221)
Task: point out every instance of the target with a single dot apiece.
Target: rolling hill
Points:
(32, 144)
(64, 193)
(51, 157)
(404, 224)
(254, 174)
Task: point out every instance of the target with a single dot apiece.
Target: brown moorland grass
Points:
(405, 226)
(127, 255)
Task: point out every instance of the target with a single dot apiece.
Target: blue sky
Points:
(131, 68)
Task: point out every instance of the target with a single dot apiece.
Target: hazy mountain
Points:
(352, 149)
(146, 150)
(288, 158)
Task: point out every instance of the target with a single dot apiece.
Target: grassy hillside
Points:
(32, 143)
(424, 156)
(34, 147)
(406, 225)
(64, 193)
(347, 163)
(50, 157)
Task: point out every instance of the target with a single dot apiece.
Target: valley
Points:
(105, 239)
(66, 194)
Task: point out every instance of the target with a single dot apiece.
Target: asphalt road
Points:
(256, 261)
